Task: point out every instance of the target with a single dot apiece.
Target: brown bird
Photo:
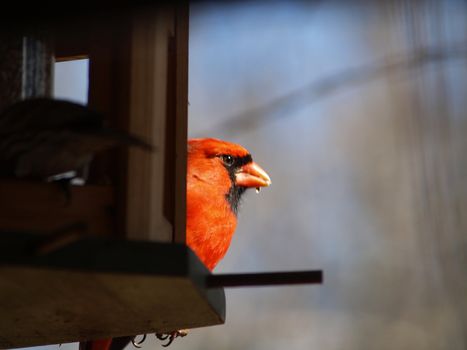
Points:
(43, 137)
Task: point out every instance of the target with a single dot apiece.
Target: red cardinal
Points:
(219, 172)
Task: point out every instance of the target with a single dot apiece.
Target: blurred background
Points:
(357, 111)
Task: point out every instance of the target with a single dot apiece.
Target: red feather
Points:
(210, 219)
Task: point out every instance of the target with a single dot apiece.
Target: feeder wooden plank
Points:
(100, 288)
(43, 207)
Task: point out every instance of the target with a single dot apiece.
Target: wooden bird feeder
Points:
(112, 261)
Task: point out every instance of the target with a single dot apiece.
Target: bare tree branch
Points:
(280, 107)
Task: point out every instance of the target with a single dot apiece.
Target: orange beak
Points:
(252, 175)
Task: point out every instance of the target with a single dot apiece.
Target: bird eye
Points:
(228, 160)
